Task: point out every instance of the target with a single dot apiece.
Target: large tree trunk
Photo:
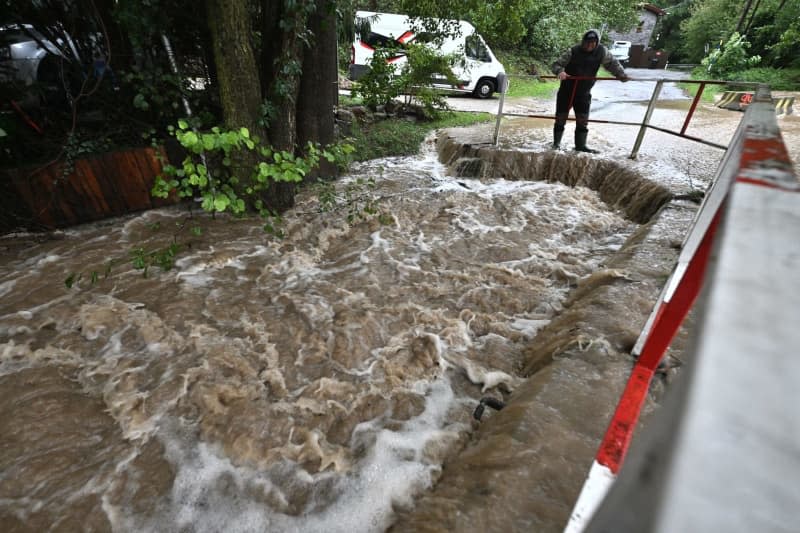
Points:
(238, 79)
(319, 91)
(235, 61)
(283, 30)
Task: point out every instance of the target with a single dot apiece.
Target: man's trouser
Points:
(581, 103)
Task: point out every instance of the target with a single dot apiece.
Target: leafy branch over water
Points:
(140, 258)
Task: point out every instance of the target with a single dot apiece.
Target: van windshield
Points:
(376, 40)
(476, 49)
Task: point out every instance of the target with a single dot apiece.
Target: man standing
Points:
(582, 61)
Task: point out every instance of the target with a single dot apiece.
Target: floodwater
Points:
(311, 383)
(325, 381)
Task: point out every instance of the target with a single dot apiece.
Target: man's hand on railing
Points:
(563, 75)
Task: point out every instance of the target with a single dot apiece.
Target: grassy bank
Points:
(399, 136)
(777, 79)
(522, 86)
(522, 81)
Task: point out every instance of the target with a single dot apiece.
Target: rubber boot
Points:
(557, 134)
(580, 143)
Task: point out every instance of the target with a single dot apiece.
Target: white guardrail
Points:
(723, 452)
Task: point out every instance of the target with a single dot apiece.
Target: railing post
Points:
(694, 106)
(646, 120)
(502, 85)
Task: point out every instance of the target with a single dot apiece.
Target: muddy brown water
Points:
(326, 381)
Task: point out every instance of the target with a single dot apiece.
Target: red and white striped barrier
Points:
(755, 150)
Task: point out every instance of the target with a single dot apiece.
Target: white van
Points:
(478, 72)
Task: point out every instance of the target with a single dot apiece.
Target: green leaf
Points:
(245, 133)
(221, 203)
(189, 139)
(140, 102)
(182, 124)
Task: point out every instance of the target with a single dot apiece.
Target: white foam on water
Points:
(211, 494)
(7, 286)
(529, 327)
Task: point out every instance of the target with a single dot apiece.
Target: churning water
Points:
(312, 383)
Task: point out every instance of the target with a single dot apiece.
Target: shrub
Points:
(378, 86)
(385, 81)
(730, 57)
(777, 79)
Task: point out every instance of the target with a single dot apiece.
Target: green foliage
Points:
(163, 258)
(502, 23)
(784, 51)
(730, 57)
(214, 170)
(423, 66)
(379, 85)
(140, 258)
(778, 79)
(554, 25)
(667, 33)
(771, 26)
(355, 196)
(709, 25)
(157, 96)
(426, 65)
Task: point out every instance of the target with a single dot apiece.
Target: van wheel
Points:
(484, 89)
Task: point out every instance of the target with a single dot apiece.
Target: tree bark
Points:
(236, 65)
(319, 91)
(745, 10)
(752, 17)
(283, 30)
(238, 80)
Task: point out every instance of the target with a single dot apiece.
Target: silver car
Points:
(22, 49)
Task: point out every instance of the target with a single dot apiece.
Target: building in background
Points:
(641, 33)
(640, 53)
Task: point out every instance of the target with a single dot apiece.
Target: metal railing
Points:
(644, 125)
(723, 452)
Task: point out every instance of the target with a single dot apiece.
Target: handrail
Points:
(644, 125)
(611, 78)
(721, 453)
